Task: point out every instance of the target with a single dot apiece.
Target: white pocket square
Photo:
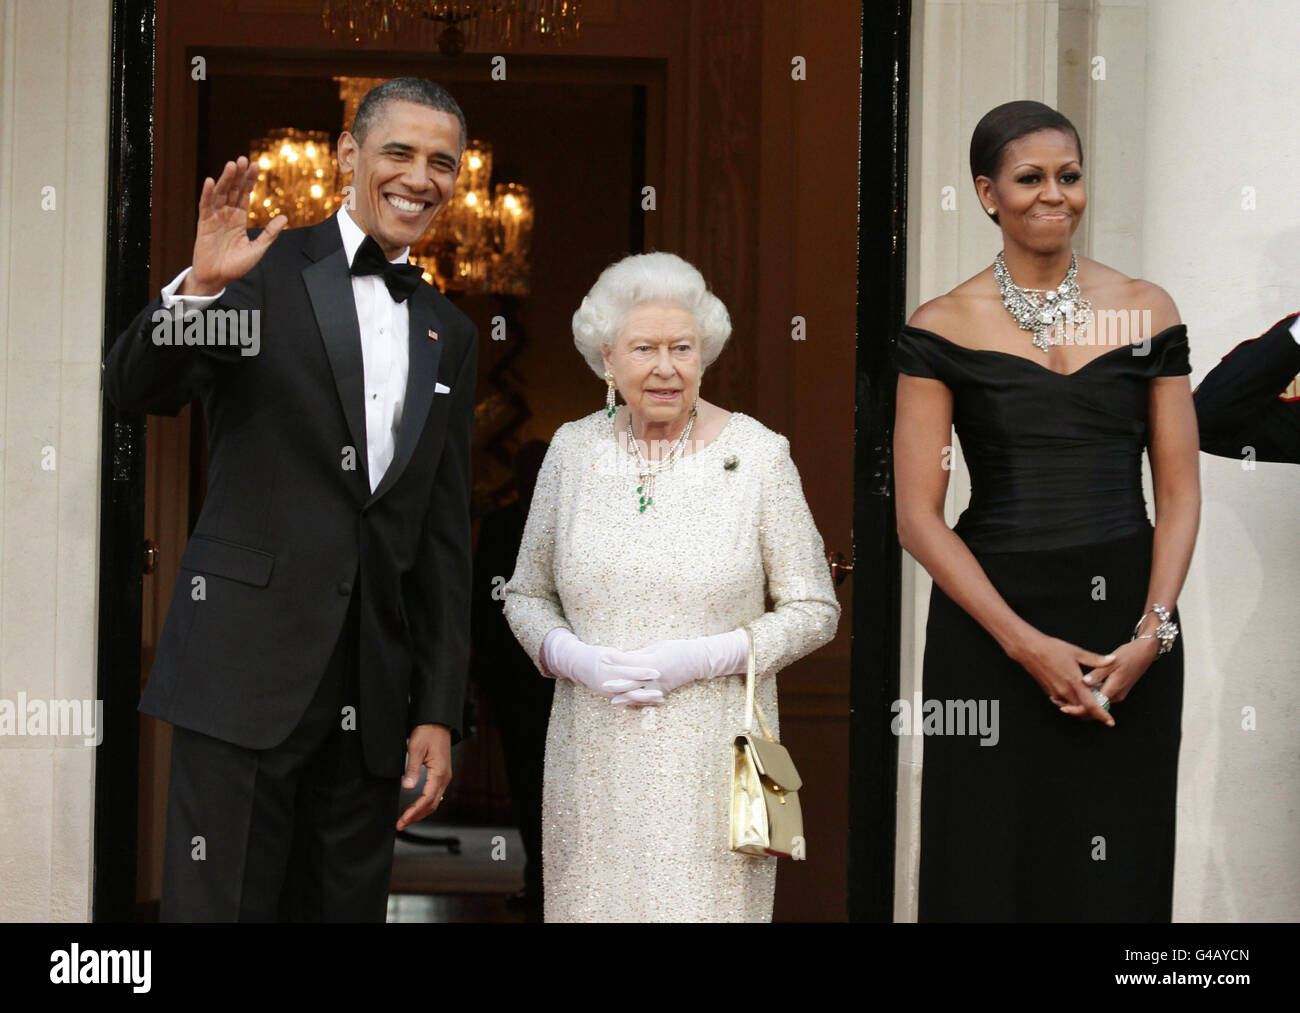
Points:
(440, 388)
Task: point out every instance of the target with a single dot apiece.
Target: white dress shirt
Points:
(1295, 330)
(385, 356)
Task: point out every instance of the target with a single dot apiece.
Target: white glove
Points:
(603, 670)
(678, 662)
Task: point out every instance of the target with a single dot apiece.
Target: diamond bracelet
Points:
(1165, 632)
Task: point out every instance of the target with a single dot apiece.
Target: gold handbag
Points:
(765, 815)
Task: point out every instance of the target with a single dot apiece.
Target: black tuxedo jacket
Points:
(290, 530)
(1237, 404)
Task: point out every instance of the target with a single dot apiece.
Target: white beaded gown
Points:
(635, 800)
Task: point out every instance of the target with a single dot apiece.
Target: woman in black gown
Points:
(1066, 813)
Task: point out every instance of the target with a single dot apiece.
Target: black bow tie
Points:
(401, 279)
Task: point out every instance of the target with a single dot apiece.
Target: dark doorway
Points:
(126, 289)
(882, 256)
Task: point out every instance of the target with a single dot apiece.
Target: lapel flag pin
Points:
(433, 335)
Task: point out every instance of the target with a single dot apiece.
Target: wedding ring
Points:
(1103, 701)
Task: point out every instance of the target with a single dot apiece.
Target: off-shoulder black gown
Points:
(1062, 819)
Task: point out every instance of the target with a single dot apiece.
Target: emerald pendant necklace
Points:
(647, 470)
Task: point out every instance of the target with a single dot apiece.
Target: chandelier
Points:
(476, 23)
(480, 242)
(296, 177)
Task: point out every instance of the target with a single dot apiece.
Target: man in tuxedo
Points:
(318, 631)
(1238, 405)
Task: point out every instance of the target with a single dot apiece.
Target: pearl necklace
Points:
(647, 470)
(1045, 310)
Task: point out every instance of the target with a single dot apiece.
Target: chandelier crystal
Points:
(297, 177)
(472, 23)
(480, 242)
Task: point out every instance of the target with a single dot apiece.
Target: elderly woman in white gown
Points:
(655, 531)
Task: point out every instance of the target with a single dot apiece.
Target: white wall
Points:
(54, 81)
(1197, 102)
(1222, 82)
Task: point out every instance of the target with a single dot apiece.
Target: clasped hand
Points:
(645, 676)
(1056, 667)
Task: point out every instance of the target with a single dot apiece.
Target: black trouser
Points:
(521, 708)
(522, 722)
(298, 832)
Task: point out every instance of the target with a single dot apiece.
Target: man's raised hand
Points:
(222, 250)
